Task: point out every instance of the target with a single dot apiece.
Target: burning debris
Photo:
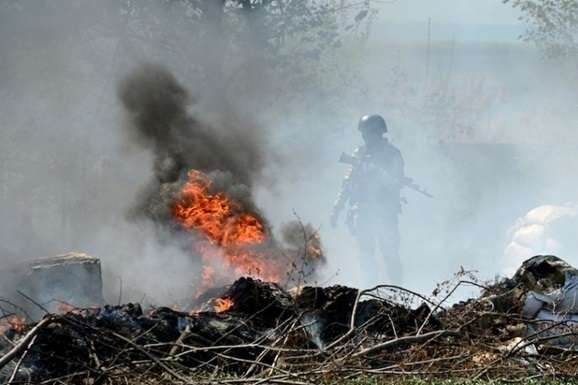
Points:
(254, 312)
(254, 315)
(231, 241)
(201, 193)
(265, 333)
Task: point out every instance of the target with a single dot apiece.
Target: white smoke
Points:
(471, 119)
(535, 234)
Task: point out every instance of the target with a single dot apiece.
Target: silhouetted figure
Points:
(371, 192)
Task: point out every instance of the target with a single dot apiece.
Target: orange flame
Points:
(231, 241)
(65, 308)
(16, 323)
(222, 304)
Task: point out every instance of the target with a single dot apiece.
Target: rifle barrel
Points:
(405, 181)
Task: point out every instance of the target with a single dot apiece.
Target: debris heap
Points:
(262, 333)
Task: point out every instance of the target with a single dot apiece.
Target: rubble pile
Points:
(518, 328)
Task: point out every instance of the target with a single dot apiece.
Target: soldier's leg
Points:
(366, 243)
(389, 244)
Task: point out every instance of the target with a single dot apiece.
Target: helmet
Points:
(374, 123)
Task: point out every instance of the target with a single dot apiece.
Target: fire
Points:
(222, 304)
(65, 308)
(231, 241)
(16, 323)
(313, 248)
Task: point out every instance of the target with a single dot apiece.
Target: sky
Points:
(463, 20)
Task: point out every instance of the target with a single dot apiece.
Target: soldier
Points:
(371, 190)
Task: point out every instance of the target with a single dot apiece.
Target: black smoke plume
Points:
(159, 115)
(160, 118)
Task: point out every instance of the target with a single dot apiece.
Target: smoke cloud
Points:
(487, 127)
(159, 119)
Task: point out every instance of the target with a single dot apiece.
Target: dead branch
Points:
(25, 341)
(392, 344)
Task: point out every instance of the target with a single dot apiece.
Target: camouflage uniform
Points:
(371, 190)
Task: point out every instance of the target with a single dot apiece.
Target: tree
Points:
(243, 40)
(552, 25)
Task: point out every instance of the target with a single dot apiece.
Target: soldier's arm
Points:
(399, 168)
(347, 184)
(344, 192)
(393, 173)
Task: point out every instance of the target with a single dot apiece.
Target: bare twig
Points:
(25, 341)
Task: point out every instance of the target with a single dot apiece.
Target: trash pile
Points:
(520, 328)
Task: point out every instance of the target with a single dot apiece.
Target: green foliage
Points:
(281, 35)
(552, 24)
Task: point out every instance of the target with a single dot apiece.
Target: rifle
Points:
(404, 181)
